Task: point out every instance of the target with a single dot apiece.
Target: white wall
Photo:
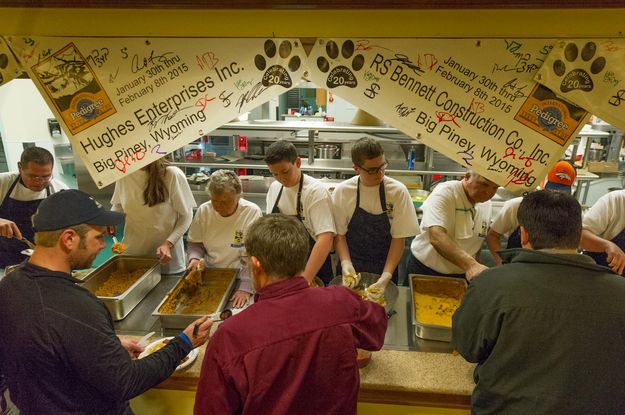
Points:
(341, 110)
(24, 119)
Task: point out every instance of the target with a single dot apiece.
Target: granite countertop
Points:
(407, 371)
(392, 376)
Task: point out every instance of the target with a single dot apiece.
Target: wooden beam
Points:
(318, 4)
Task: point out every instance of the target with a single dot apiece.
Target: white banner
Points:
(126, 102)
(591, 74)
(473, 100)
(9, 68)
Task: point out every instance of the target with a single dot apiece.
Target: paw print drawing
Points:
(277, 74)
(341, 75)
(579, 78)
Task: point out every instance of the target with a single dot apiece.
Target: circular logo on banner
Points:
(85, 106)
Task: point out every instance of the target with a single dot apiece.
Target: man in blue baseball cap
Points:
(58, 348)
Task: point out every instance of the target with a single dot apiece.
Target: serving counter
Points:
(408, 376)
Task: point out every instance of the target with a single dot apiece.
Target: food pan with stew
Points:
(197, 294)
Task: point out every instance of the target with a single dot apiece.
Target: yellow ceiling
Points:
(313, 23)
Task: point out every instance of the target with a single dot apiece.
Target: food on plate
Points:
(155, 347)
(118, 248)
(118, 282)
(436, 301)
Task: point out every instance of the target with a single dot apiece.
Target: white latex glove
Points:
(350, 278)
(376, 291)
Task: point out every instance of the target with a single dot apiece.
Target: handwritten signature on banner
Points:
(121, 164)
(27, 55)
(207, 60)
(138, 64)
(98, 57)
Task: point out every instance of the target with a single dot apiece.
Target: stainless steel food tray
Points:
(431, 331)
(123, 304)
(181, 321)
(366, 279)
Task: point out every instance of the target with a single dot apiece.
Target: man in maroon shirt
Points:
(294, 350)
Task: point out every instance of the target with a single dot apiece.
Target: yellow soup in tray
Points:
(436, 299)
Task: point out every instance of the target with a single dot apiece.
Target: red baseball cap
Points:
(561, 177)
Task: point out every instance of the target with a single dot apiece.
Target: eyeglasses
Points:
(38, 178)
(283, 173)
(374, 170)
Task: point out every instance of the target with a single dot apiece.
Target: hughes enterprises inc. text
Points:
(162, 121)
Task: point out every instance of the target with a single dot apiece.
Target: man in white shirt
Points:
(561, 177)
(454, 224)
(20, 195)
(603, 234)
(297, 194)
(373, 214)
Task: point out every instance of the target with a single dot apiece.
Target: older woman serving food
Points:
(218, 230)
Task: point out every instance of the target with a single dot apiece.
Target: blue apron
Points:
(514, 240)
(601, 258)
(369, 237)
(19, 212)
(325, 273)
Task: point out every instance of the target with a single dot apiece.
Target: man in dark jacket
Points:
(548, 329)
(58, 348)
(294, 350)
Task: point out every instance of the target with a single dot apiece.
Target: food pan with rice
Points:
(123, 281)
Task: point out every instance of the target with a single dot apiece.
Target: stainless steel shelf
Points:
(395, 167)
(304, 125)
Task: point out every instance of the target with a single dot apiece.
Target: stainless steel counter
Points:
(399, 335)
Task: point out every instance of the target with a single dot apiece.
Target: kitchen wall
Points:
(24, 120)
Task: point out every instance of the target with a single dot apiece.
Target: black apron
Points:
(325, 273)
(369, 237)
(514, 240)
(417, 267)
(19, 212)
(601, 258)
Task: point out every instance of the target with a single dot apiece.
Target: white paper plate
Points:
(154, 346)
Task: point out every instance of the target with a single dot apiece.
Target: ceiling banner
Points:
(126, 102)
(9, 68)
(473, 100)
(590, 74)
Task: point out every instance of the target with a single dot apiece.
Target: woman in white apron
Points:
(219, 228)
(159, 206)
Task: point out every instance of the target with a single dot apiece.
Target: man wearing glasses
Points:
(20, 195)
(455, 221)
(373, 213)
